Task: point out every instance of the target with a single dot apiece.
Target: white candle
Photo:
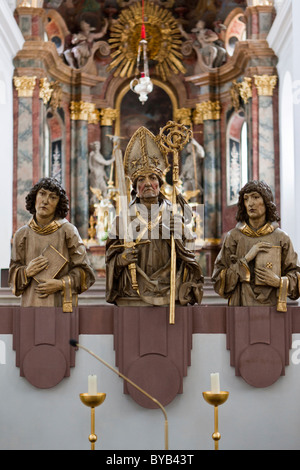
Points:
(92, 384)
(215, 382)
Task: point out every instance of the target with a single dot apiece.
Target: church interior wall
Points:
(252, 418)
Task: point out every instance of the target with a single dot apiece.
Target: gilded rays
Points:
(162, 34)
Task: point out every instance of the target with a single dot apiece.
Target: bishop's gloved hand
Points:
(128, 256)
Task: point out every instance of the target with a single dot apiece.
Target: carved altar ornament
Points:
(235, 95)
(108, 116)
(241, 89)
(183, 116)
(30, 4)
(83, 111)
(163, 40)
(25, 86)
(254, 3)
(265, 84)
(208, 110)
(45, 90)
(24, 4)
(246, 89)
(165, 4)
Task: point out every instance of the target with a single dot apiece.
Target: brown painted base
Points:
(41, 341)
(152, 353)
(259, 340)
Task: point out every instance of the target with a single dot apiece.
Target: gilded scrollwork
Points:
(45, 90)
(246, 89)
(183, 116)
(241, 89)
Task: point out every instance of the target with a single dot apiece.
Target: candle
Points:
(215, 382)
(92, 384)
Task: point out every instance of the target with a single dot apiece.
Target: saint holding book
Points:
(257, 264)
(49, 265)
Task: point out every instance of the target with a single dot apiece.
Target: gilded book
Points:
(56, 262)
(270, 259)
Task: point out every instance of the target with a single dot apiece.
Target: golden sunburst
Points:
(163, 38)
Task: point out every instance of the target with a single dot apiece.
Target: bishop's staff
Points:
(173, 137)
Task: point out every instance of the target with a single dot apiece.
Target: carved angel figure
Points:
(82, 43)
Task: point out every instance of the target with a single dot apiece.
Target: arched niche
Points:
(154, 114)
(235, 24)
(54, 143)
(160, 107)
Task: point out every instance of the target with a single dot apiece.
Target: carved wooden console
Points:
(259, 340)
(41, 341)
(154, 354)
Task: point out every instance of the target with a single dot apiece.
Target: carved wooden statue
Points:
(49, 265)
(138, 272)
(257, 265)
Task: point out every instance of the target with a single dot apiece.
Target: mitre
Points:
(144, 155)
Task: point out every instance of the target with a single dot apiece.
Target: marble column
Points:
(81, 114)
(24, 154)
(209, 113)
(79, 178)
(266, 132)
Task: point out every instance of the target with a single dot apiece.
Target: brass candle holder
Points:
(92, 401)
(216, 399)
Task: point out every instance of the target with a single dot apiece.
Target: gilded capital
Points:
(208, 110)
(83, 111)
(108, 116)
(265, 84)
(183, 116)
(25, 86)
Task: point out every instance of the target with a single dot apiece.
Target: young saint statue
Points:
(257, 264)
(49, 265)
(151, 224)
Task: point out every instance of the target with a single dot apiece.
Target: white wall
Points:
(55, 419)
(11, 41)
(283, 37)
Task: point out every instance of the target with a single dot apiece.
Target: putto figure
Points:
(49, 265)
(257, 264)
(150, 222)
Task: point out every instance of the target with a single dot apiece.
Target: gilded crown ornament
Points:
(145, 155)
